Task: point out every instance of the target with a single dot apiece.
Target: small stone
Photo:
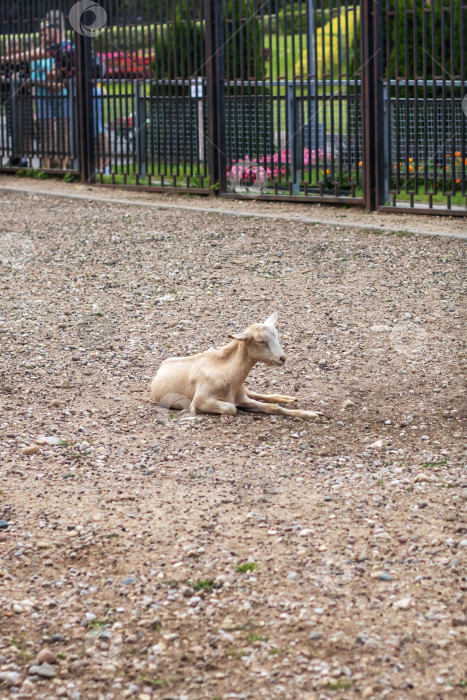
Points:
(367, 693)
(41, 440)
(314, 636)
(53, 440)
(377, 444)
(31, 450)
(55, 404)
(46, 656)
(305, 532)
(380, 328)
(384, 576)
(65, 384)
(463, 543)
(27, 686)
(402, 604)
(55, 638)
(46, 671)
(68, 312)
(3, 525)
(322, 362)
(128, 580)
(10, 677)
(348, 403)
(193, 602)
(421, 477)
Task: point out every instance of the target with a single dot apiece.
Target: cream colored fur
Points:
(213, 381)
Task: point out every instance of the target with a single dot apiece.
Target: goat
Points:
(213, 381)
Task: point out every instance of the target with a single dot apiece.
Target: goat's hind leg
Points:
(248, 404)
(269, 398)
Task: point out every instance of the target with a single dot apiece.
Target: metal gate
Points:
(349, 101)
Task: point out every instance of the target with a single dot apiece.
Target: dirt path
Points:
(162, 556)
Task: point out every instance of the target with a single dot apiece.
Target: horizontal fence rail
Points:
(278, 99)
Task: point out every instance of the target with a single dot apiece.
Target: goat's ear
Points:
(272, 320)
(239, 336)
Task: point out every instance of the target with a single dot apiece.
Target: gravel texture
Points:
(147, 554)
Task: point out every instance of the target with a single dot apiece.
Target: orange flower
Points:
(457, 154)
(458, 182)
(410, 160)
(410, 168)
(361, 163)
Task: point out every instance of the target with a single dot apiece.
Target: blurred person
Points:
(50, 85)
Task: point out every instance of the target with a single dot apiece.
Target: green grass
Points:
(245, 568)
(340, 685)
(253, 637)
(434, 464)
(99, 623)
(206, 585)
(237, 653)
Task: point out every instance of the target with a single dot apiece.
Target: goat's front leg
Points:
(248, 404)
(270, 398)
(206, 404)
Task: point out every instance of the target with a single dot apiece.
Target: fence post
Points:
(215, 93)
(84, 90)
(140, 127)
(372, 103)
(293, 141)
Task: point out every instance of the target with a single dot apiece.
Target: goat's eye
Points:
(263, 342)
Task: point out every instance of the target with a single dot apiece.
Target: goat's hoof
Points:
(318, 415)
(287, 399)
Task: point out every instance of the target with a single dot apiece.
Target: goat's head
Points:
(262, 342)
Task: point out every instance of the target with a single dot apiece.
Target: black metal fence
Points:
(311, 100)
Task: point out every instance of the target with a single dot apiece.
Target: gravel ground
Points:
(147, 554)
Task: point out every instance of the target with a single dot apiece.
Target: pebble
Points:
(46, 656)
(403, 603)
(129, 580)
(421, 477)
(45, 670)
(385, 577)
(55, 638)
(3, 525)
(31, 450)
(10, 677)
(305, 532)
(377, 444)
(348, 403)
(463, 543)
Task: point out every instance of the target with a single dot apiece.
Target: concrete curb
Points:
(224, 212)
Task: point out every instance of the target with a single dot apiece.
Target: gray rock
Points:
(55, 638)
(10, 677)
(46, 671)
(385, 577)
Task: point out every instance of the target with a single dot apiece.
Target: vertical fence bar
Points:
(373, 103)
(86, 158)
(215, 90)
